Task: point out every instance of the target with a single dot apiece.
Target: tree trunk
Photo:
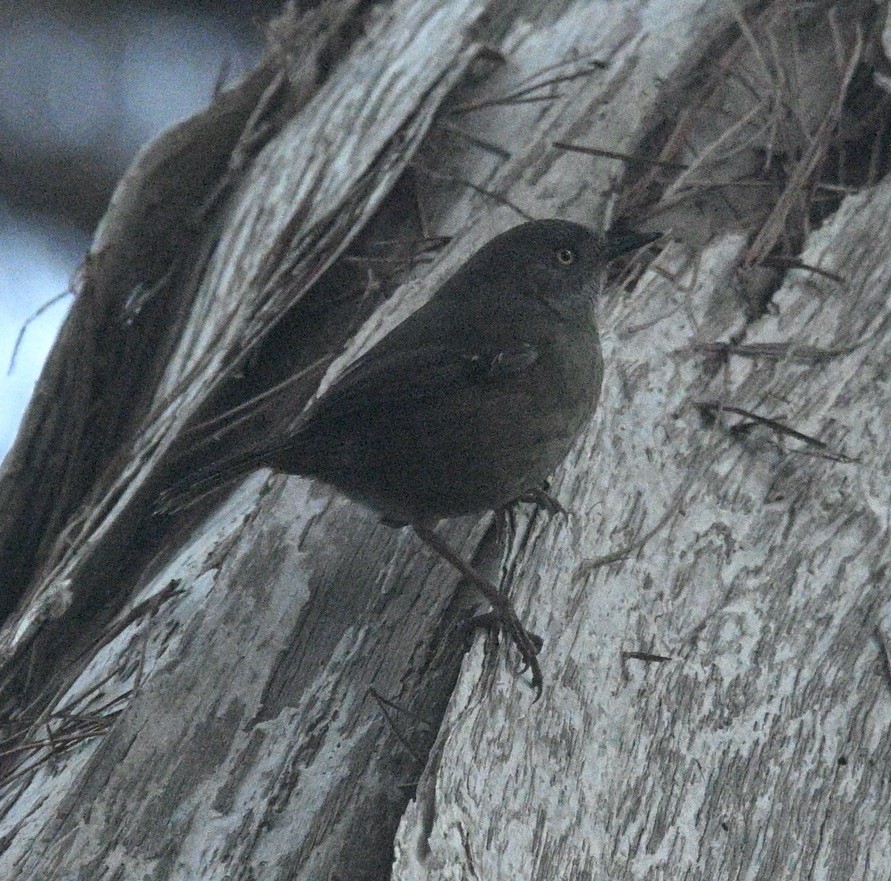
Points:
(274, 687)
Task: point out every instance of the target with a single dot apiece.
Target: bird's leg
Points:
(505, 524)
(503, 611)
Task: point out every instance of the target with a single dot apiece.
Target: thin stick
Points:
(523, 96)
(625, 157)
(32, 317)
(502, 200)
(778, 427)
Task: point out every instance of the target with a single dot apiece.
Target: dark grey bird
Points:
(467, 405)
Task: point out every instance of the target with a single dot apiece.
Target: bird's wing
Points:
(391, 379)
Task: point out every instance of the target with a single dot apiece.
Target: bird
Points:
(466, 406)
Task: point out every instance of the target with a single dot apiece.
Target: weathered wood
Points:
(760, 748)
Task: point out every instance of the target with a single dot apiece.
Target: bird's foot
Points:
(502, 614)
(493, 622)
(542, 499)
(528, 644)
(505, 517)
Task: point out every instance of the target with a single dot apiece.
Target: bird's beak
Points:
(615, 244)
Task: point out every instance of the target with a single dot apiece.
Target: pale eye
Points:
(565, 256)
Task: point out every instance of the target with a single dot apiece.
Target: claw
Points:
(528, 644)
(542, 499)
(522, 639)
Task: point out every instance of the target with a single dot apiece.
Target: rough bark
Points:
(197, 697)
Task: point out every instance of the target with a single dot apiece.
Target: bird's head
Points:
(554, 262)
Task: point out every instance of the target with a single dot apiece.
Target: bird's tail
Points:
(207, 480)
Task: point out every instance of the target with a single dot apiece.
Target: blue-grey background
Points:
(82, 87)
